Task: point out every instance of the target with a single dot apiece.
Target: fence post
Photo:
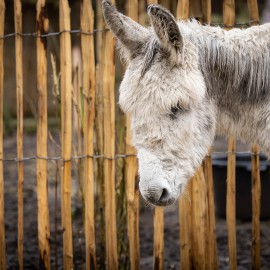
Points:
(42, 136)
(149, 2)
(182, 13)
(19, 94)
(253, 12)
(230, 204)
(109, 150)
(212, 260)
(211, 226)
(199, 220)
(2, 215)
(256, 179)
(66, 131)
(185, 228)
(132, 191)
(88, 58)
(206, 11)
(158, 238)
(100, 133)
(228, 20)
(256, 207)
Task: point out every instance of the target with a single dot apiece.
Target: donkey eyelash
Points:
(175, 110)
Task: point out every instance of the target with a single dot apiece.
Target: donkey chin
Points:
(158, 185)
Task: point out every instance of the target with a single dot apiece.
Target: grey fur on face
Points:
(183, 84)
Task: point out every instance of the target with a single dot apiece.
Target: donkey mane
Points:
(237, 58)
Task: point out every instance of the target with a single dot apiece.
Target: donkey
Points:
(184, 83)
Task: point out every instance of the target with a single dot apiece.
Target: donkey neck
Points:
(235, 66)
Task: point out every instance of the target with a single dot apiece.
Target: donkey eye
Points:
(175, 110)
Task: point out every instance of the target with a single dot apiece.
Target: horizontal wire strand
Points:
(78, 31)
(53, 158)
(51, 34)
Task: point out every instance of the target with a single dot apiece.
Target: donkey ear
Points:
(166, 28)
(131, 34)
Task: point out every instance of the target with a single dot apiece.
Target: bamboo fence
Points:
(95, 103)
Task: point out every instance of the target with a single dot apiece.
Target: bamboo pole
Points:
(2, 216)
(253, 12)
(256, 180)
(132, 192)
(228, 13)
(158, 238)
(66, 131)
(212, 260)
(19, 93)
(142, 7)
(42, 136)
(100, 133)
(230, 206)
(149, 2)
(199, 220)
(182, 12)
(206, 11)
(88, 58)
(256, 207)
(185, 228)
(212, 244)
(228, 20)
(165, 3)
(109, 150)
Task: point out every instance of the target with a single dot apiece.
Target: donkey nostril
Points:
(164, 195)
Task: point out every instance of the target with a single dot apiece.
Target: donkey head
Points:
(164, 92)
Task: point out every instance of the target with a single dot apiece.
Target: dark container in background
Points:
(243, 186)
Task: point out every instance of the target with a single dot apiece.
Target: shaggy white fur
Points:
(184, 83)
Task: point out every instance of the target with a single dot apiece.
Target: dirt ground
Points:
(172, 253)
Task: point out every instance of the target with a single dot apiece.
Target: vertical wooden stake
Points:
(149, 2)
(109, 150)
(66, 131)
(165, 3)
(88, 58)
(228, 13)
(99, 132)
(253, 12)
(199, 220)
(142, 7)
(185, 228)
(42, 136)
(19, 93)
(132, 192)
(256, 179)
(158, 238)
(230, 208)
(256, 207)
(228, 20)
(212, 244)
(2, 216)
(206, 11)
(182, 12)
